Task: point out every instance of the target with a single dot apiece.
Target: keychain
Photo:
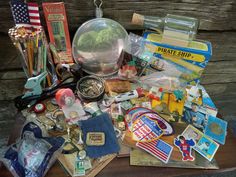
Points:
(98, 10)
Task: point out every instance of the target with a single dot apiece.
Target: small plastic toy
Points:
(194, 94)
(33, 85)
(185, 146)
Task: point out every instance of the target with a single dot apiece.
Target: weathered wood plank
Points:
(224, 96)
(12, 75)
(7, 119)
(8, 54)
(213, 14)
(218, 78)
(11, 88)
(221, 67)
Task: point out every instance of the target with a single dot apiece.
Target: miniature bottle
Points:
(170, 26)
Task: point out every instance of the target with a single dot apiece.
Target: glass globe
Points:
(97, 45)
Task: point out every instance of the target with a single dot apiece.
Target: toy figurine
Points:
(194, 94)
(185, 146)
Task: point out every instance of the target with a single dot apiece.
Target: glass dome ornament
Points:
(97, 46)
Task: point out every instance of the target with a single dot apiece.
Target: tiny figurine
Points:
(185, 146)
(194, 94)
(33, 85)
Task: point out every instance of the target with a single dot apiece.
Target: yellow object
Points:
(192, 45)
(155, 103)
(173, 104)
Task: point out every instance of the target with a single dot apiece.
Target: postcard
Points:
(204, 145)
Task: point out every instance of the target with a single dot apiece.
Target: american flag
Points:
(34, 17)
(160, 149)
(25, 14)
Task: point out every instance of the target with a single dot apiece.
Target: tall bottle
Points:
(170, 26)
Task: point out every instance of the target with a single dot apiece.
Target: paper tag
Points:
(79, 168)
(87, 163)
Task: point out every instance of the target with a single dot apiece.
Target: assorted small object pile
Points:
(152, 106)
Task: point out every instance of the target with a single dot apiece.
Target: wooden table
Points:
(225, 156)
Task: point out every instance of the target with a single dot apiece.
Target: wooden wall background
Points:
(217, 24)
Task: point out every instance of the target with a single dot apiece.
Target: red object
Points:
(39, 108)
(128, 71)
(34, 17)
(140, 92)
(61, 94)
(55, 13)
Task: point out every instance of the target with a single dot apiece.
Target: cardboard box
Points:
(56, 19)
(190, 61)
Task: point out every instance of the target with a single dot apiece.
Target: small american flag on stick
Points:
(25, 15)
(160, 149)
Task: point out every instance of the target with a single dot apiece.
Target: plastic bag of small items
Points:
(32, 155)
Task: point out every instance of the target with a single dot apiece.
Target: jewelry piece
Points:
(80, 138)
(81, 154)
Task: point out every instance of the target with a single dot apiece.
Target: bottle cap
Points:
(39, 108)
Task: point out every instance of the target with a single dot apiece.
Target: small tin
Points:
(91, 88)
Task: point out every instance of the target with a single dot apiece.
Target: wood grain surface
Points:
(213, 14)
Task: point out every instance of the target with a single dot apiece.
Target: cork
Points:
(137, 19)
